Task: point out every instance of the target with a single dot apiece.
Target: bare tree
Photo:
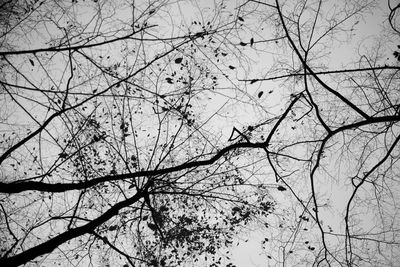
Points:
(152, 133)
(106, 155)
(338, 151)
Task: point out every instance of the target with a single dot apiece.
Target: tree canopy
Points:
(163, 133)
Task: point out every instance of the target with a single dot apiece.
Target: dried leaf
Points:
(152, 226)
(112, 228)
(281, 188)
(253, 81)
(63, 155)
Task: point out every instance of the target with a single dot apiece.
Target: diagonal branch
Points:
(54, 242)
(308, 68)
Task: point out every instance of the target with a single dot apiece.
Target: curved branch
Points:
(60, 112)
(347, 240)
(308, 68)
(62, 187)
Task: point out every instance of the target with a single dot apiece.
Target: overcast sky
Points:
(249, 49)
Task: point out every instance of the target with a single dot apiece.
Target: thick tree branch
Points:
(54, 242)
